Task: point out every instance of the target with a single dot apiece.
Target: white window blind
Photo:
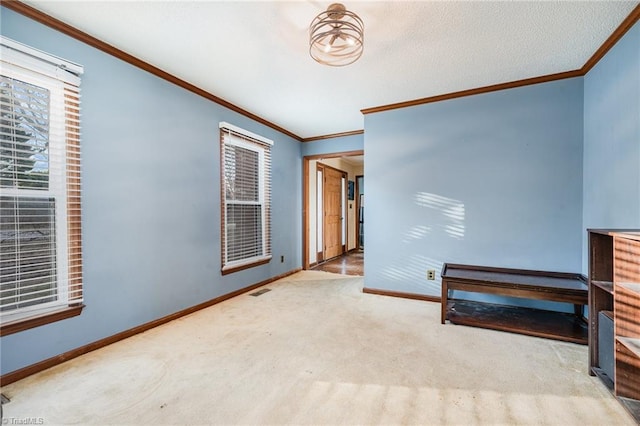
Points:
(40, 211)
(246, 197)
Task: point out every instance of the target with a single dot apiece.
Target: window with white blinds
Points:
(246, 198)
(40, 227)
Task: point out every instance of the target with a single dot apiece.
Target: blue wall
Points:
(492, 179)
(330, 146)
(612, 139)
(151, 200)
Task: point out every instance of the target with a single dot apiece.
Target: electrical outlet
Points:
(431, 274)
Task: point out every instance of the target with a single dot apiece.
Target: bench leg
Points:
(444, 298)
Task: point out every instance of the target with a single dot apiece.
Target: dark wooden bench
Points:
(539, 285)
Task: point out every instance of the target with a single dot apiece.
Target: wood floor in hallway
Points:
(351, 263)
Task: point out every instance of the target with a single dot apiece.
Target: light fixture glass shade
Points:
(336, 36)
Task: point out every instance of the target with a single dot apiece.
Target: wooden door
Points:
(332, 195)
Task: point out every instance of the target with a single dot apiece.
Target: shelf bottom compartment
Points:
(533, 322)
(631, 405)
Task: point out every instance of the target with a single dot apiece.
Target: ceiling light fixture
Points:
(336, 36)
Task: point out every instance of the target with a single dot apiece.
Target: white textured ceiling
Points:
(255, 54)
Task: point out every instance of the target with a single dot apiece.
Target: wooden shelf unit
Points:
(614, 285)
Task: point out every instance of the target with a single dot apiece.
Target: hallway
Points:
(351, 263)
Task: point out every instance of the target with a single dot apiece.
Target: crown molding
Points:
(622, 29)
(333, 135)
(56, 24)
(476, 91)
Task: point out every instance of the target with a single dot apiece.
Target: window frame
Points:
(231, 135)
(61, 79)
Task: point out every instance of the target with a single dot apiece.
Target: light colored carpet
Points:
(316, 350)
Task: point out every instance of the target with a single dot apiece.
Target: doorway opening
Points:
(333, 219)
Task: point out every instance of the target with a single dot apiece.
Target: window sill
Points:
(36, 321)
(229, 270)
